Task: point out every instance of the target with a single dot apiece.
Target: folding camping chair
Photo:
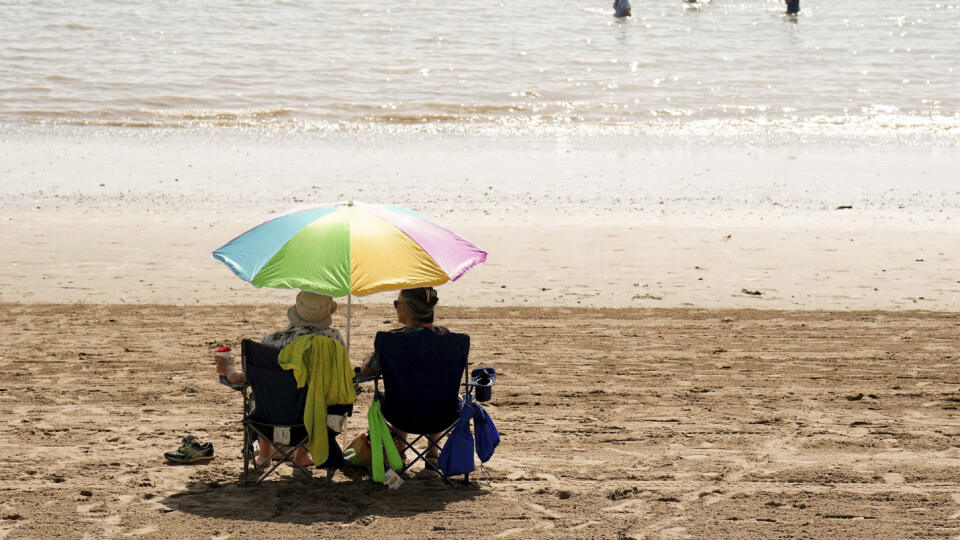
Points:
(274, 411)
(422, 373)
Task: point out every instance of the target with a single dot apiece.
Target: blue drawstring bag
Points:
(457, 454)
(485, 432)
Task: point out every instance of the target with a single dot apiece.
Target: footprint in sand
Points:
(143, 531)
(582, 526)
(549, 513)
(630, 506)
(96, 513)
(549, 478)
(893, 478)
(661, 529)
(675, 532)
(517, 475)
(9, 523)
(956, 499)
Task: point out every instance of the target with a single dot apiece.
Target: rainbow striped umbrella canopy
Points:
(349, 248)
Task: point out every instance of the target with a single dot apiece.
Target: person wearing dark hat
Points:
(415, 312)
(309, 315)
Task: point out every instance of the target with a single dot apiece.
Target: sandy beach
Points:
(686, 349)
(722, 284)
(618, 223)
(616, 423)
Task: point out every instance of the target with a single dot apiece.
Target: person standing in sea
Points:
(621, 8)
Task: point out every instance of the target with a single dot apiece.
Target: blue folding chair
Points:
(273, 409)
(422, 375)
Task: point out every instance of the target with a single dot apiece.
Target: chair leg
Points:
(421, 456)
(246, 451)
(284, 455)
(430, 445)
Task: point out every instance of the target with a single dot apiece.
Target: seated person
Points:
(310, 315)
(415, 312)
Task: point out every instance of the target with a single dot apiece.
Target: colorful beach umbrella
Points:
(349, 249)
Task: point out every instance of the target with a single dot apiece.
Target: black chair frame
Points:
(281, 436)
(466, 397)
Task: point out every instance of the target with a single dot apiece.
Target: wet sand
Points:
(132, 259)
(625, 223)
(616, 423)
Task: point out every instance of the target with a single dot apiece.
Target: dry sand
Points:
(630, 423)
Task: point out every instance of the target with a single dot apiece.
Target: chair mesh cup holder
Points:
(482, 380)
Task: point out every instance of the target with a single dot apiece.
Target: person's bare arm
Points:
(370, 366)
(229, 369)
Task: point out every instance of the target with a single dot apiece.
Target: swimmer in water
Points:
(621, 8)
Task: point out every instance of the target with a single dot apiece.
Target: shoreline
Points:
(566, 221)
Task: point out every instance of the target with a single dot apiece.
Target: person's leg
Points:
(402, 435)
(302, 457)
(266, 450)
(343, 432)
(433, 452)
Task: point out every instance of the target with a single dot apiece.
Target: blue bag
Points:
(457, 454)
(485, 432)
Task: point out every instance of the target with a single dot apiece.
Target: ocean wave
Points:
(875, 125)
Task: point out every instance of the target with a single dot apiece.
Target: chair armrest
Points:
(228, 384)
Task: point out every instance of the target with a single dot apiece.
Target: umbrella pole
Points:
(346, 438)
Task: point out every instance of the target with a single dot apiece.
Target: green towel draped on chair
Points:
(380, 440)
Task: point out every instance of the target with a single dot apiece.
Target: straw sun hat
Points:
(312, 309)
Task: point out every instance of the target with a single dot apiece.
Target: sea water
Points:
(883, 70)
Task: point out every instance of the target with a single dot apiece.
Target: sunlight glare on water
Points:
(887, 66)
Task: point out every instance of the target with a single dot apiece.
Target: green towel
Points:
(321, 363)
(379, 435)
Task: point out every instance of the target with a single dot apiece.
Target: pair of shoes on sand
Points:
(191, 451)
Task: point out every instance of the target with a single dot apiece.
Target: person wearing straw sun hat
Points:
(309, 315)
